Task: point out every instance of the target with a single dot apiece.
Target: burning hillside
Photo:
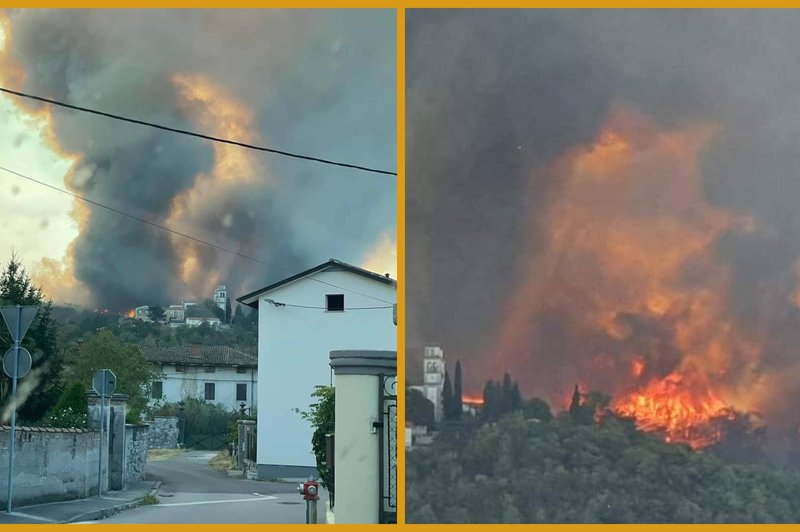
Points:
(629, 292)
(677, 411)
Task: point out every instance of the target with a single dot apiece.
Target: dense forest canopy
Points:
(525, 465)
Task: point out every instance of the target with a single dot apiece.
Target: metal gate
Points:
(207, 442)
(387, 449)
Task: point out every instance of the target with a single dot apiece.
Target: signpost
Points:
(16, 364)
(104, 383)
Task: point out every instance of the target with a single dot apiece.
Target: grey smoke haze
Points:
(493, 97)
(316, 82)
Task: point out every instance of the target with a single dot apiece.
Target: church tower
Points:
(433, 379)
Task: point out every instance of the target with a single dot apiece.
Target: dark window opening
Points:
(241, 392)
(335, 302)
(157, 391)
(209, 391)
(241, 369)
(210, 369)
(179, 368)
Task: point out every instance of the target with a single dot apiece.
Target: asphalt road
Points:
(192, 492)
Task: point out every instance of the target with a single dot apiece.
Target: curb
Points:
(102, 513)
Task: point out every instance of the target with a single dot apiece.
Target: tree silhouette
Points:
(458, 406)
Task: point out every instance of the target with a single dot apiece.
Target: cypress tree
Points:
(575, 404)
(506, 404)
(489, 399)
(447, 399)
(516, 398)
(457, 399)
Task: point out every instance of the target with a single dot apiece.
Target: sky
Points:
(592, 190)
(315, 82)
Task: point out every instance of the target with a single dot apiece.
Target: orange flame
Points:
(623, 262)
(472, 400)
(675, 409)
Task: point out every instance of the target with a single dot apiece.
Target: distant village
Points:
(188, 313)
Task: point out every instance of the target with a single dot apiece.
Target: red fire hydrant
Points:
(310, 492)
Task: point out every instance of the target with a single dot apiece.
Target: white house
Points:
(301, 319)
(216, 374)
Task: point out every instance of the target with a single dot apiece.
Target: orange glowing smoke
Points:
(130, 314)
(620, 285)
(681, 413)
(637, 367)
(217, 111)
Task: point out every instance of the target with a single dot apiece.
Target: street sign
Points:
(16, 364)
(104, 382)
(23, 363)
(18, 319)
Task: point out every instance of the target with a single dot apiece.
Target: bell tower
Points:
(433, 378)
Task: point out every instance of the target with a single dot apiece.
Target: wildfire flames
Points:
(621, 288)
(682, 414)
(472, 400)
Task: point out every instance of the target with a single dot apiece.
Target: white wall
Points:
(294, 346)
(177, 386)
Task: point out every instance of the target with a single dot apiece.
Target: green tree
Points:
(575, 405)
(419, 410)
(71, 410)
(103, 350)
(538, 409)
(447, 398)
(458, 407)
(321, 416)
(43, 383)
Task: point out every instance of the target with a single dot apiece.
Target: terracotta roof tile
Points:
(207, 355)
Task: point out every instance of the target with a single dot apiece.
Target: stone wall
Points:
(163, 433)
(136, 440)
(49, 464)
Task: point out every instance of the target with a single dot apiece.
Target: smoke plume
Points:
(316, 82)
(609, 198)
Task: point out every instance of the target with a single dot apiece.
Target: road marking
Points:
(34, 517)
(198, 503)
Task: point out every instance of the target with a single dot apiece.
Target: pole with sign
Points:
(104, 383)
(16, 364)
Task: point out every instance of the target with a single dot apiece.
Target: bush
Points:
(200, 417)
(321, 417)
(71, 411)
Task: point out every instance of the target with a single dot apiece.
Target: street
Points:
(193, 492)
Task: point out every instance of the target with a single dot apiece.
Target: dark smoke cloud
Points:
(317, 82)
(495, 96)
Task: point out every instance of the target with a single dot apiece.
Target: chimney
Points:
(194, 349)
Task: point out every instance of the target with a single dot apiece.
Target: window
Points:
(157, 390)
(335, 302)
(241, 369)
(209, 391)
(209, 369)
(179, 368)
(241, 392)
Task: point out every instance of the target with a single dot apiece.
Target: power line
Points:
(280, 304)
(184, 235)
(195, 134)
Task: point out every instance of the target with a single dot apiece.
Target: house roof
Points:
(206, 355)
(251, 299)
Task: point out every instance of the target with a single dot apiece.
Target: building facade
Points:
(334, 306)
(217, 374)
(433, 372)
